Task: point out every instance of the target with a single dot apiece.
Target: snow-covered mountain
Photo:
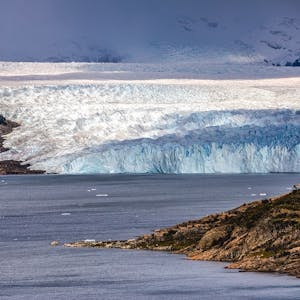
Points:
(146, 31)
(194, 86)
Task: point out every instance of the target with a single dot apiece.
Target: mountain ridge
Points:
(260, 32)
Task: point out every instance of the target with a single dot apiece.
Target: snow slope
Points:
(145, 31)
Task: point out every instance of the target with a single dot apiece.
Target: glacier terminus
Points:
(91, 118)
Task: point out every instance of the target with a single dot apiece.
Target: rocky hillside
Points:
(11, 166)
(260, 236)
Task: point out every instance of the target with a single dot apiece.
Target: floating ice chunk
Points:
(88, 190)
(262, 194)
(65, 214)
(289, 188)
(2, 180)
(249, 188)
(89, 241)
(93, 189)
(253, 195)
(102, 195)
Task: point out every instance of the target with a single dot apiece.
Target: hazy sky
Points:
(32, 27)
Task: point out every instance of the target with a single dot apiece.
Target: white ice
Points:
(168, 125)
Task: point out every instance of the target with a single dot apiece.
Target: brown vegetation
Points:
(259, 236)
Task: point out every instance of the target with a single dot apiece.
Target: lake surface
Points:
(35, 210)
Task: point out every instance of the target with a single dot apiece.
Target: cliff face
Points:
(11, 166)
(259, 236)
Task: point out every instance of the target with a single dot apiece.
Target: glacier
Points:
(148, 125)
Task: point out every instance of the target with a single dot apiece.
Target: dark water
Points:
(34, 210)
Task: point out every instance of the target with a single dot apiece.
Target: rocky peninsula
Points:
(261, 236)
(11, 166)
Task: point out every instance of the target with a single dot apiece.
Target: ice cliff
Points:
(228, 142)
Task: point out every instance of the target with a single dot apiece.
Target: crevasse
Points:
(149, 127)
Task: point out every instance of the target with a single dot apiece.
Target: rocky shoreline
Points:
(11, 166)
(262, 236)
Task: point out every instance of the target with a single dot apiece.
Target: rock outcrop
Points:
(296, 63)
(11, 166)
(259, 236)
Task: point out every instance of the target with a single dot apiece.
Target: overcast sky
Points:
(35, 26)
